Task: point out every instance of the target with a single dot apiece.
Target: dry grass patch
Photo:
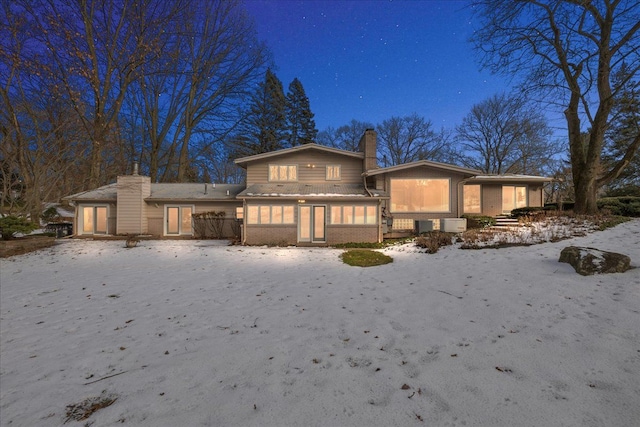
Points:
(86, 408)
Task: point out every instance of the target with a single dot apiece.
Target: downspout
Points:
(243, 227)
(366, 188)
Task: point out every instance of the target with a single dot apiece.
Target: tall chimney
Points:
(135, 168)
(368, 146)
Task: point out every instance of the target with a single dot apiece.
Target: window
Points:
(420, 195)
(354, 214)
(94, 220)
(472, 199)
(333, 173)
(283, 173)
(178, 220)
(270, 214)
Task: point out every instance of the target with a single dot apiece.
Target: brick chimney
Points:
(368, 146)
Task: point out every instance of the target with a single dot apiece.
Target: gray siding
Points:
(351, 168)
(131, 209)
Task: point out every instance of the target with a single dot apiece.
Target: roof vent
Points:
(135, 168)
(227, 192)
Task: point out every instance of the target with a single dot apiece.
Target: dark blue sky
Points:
(370, 60)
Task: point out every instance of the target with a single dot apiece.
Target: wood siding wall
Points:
(351, 168)
(131, 209)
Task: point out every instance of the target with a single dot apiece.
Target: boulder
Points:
(588, 261)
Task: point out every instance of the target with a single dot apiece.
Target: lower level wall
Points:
(276, 235)
(279, 235)
(349, 234)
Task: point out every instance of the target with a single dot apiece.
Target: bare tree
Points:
(345, 137)
(568, 50)
(407, 139)
(504, 135)
(40, 142)
(192, 93)
(95, 49)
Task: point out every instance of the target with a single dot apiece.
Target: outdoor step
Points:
(506, 222)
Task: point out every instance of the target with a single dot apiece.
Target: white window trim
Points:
(271, 206)
(280, 180)
(353, 216)
(80, 226)
(164, 219)
(338, 168)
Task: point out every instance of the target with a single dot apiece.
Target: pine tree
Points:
(301, 128)
(265, 128)
(624, 131)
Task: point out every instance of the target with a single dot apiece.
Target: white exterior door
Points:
(312, 222)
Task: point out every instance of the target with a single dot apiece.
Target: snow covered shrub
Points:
(433, 240)
(11, 225)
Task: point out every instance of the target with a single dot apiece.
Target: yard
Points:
(186, 333)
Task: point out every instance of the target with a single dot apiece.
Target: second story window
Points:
(283, 173)
(333, 172)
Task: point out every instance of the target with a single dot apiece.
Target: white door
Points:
(312, 223)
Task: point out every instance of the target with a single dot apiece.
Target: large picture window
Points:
(283, 172)
(270, 214)
(420, 195)
(472, 199)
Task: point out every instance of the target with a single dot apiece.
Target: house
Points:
(307, 195)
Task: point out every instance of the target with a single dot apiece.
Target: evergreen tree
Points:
(265, 128)
(301, 128)
(624, 130)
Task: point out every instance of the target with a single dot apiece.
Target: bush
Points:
(624, 205)
(10, 225)
(50, 215)
(479, 221)
(529, 211)
(434, 240)
(567, 205)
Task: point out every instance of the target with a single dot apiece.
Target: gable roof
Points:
(165, 192)
(107, 193)
(309, 190)
(423, 163)
(300, 148)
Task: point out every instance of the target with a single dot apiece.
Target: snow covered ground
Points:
(193, 333)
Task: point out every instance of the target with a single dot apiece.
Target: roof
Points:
(423, 163)
(166, 191)
(107, 193)
(305, 147)
(512, 177)
(194, 191)
(309, 190)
